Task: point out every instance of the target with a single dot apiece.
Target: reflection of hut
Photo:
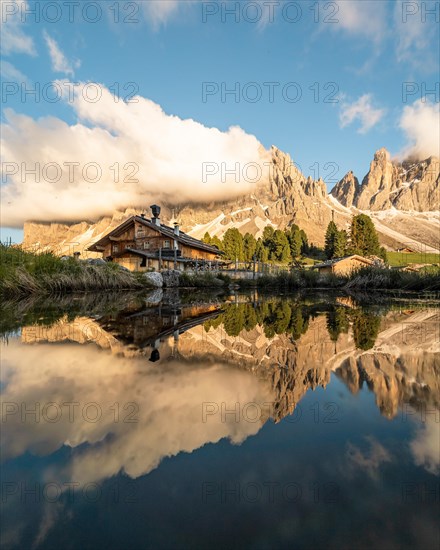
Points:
(344, 266)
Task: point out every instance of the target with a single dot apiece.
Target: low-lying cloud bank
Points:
(118, 155)
(421, 124)
(123, 154)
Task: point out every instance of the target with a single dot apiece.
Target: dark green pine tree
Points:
(249, 247)
(295, 237)
(206, 238)
(330, 237)
(216, 242)
(305, 242)
(233, 244)
(340, 244)
(363, 236)
(280, 250)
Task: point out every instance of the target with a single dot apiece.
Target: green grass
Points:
(401, 258)
(24, 273)
(365, 279)
(202, 280)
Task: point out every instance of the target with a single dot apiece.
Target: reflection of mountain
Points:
(403, 366)
(398, 369)
(266, 354)
(291, 346)
(216, 365)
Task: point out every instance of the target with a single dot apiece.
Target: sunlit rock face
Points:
(287, 196)
(346, 190)
(408, 186)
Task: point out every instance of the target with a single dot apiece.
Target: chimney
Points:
(176, 229)
(156, 213)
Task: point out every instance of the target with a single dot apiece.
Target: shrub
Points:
(200, 280)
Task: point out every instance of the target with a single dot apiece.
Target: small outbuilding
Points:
(344, 266)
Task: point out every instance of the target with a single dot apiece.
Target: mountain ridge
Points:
(392, 193)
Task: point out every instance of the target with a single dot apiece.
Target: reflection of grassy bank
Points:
(363, 280)
(24, 273)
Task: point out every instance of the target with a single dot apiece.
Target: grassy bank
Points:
(23, 273)
(364, 280)
(403, 258)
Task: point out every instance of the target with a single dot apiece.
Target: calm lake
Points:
(195, 420)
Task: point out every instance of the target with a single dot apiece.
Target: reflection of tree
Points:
(338, 322)
(288, 317)
(299, 323)
(365, 328)
(276, 317)
(250, 318)
(214, 323)
(233, 319)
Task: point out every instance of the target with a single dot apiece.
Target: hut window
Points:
(115, 248)
(146, 245)
(166, 244)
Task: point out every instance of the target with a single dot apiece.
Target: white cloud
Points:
(60, 63)
(170, 153)
(362, 18)
(159, 12)
(417, 34)
(421, 124)
(14, 40)
(410, 28)
(362, 110)
(10, 73)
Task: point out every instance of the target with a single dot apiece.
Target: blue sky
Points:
(358, 54)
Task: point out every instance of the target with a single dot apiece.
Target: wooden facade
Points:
(140, 244)
(344, 266)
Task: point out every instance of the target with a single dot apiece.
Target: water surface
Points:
(209, 421)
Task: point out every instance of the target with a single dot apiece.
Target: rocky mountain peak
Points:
(409, 186)
(382, 155)
(346, 190)
(286, 197)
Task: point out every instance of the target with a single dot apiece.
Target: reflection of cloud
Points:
(169, 399)
(426, 447)
(52, 513)
(371, 460)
